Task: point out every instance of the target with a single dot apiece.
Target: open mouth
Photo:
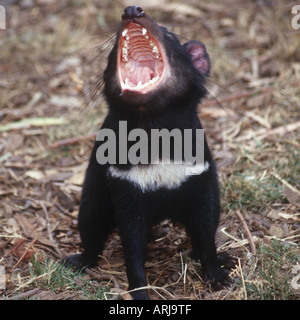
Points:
(141, 62)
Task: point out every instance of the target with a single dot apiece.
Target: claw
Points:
(78, 262)
(217, 277)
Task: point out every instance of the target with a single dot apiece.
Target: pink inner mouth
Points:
(141, 63)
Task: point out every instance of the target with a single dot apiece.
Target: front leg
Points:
(202, 223)
(203, 248)
(95, 220)
(134, 233)
(134, 224)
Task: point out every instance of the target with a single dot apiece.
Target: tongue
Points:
(143, 74)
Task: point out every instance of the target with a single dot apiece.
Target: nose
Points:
(132, 12)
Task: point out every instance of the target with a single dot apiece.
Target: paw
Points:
(226, 261)
(78, 261)
(217, 278)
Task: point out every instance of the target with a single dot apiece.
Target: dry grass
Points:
(253, 130)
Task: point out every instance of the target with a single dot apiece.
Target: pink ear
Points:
(199, 56)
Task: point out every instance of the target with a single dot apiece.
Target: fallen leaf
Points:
(294, 283)
(291, 196)
(30, 230)
(259, 100)
(34, 174)
(19, 249)
(296, 269)
(58, 176)
(13, 142)
(276, 231)
(64, 101)
(291, 216)
(78, 176)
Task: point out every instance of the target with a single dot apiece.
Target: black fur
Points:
(111, 202)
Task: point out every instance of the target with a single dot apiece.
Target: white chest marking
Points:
(155, 176)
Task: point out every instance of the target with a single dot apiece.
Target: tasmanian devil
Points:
(151, 82)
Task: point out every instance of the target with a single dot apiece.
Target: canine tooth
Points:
(151, 43)
(155, 49)
(127, 37)
(146, 36)
(144, 31)
(153, 80)
(125, 58)
(124, 32)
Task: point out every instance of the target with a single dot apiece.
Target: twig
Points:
(73, 140)
(248, 233)
(47, 219)
(274, 174)
(281, 130)
(154, 288)
(258, 119)
(26, 294)
(34, 279)
(55, 246)
(64, 211)
(263, 133)
(229, 235)
(243, 280)
(158, 277)
(237, 96)
(103, 277)
(24, 254)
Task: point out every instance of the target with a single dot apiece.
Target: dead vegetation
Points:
(251, 119)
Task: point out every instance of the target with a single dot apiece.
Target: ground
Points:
(51, 51)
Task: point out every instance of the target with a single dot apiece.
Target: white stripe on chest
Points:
(156, 176)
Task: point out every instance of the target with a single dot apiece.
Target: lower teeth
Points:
(141, 85)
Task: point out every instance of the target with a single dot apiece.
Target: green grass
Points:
(51, 275)
(273, 273)
(253, 187)
(246, 191)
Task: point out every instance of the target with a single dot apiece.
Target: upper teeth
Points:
(125, 50)
(155, 49)
(126, 44)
